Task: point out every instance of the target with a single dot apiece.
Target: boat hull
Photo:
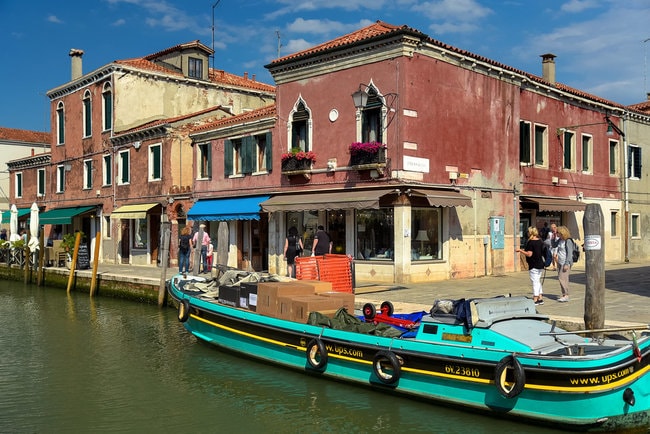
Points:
(571, 393)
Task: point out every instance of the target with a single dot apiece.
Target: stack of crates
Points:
(332, 268)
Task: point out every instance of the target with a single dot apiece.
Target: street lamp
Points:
(611, 127)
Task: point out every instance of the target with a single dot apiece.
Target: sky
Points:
(601, 46)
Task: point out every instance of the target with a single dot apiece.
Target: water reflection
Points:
(69, 363)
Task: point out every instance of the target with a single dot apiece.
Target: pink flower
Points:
(366, 147)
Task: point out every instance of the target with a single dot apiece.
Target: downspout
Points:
(515, 224)
(475, 234)
(626, 199)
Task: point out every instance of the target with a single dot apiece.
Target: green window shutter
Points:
(108, 110)
(524, 142)
(156, 162)
(248, 154)
(228, 156)
(269, 153)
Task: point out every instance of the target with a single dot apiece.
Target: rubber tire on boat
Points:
(388, 306)
(183, 310)
(509, 362)
(316, 347)
(369, 311)
(382, 357)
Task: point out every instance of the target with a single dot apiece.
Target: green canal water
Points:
(72, 364)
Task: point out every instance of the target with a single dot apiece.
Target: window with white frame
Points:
(300, 127)
(204, 161)
(40, 188)
(524, 143)
(87, 114)
(18, 184)
(569, 153)
(635, 222)
(88, 174)
(587, 154)
(107, 107)
(123, 168)
(60, 124)
(372, 117)
(60, 178)
(195, 67)
(247, 155)
(155, 162)
(541, 145)
(107, 169)
(634, 162)
(263, 151)
(613, 157)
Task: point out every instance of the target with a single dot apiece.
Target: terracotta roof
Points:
(374, 30)
(259, 113)
(192, 44)
(642, 106)
(167, 121)
(223, 77)
(26, 136)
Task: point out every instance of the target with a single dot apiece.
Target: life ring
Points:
(506, 386)
(183, 310)
(387, 367)
(317, 354)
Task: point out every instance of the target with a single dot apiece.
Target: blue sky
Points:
(600, 44)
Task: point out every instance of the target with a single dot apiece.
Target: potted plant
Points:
(367, 153)
(297, 159)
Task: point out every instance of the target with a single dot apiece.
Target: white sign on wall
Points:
(416, 164)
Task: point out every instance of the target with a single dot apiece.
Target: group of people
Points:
(558, 240)
(293, 246)
(186, 244)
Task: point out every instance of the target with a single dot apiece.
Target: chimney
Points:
(548, 67)
(76, 55)
(245, 75)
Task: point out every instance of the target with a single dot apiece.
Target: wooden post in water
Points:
(593, 223)
(41, 257)
(164, 258)
(93, 282)
(27, 253)
(77, 241)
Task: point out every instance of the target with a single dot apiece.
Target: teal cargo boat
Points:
(497, 356)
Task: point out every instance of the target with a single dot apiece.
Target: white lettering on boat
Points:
(344, 351)
(603, 379)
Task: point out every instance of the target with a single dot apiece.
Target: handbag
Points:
(298, 248)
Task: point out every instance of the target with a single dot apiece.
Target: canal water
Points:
(69, 363)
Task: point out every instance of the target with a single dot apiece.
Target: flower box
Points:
(298, 160)
(367, 153)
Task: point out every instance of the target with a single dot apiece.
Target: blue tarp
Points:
(232, 208)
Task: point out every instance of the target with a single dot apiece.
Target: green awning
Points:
(6, 215)
(63, 216)
(136, 211)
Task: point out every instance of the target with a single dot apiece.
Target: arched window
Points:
(299, 127)
(60, 123)
(107, 107)
(87, 114)
(371, 118)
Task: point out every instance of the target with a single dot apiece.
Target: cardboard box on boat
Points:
(302, 306)
(248, 295)
(229, 295)
(345, 299)
(318, 285)
(269, 292)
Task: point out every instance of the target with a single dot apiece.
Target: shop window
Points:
(140, 240)
(374, 230)
(425, 234)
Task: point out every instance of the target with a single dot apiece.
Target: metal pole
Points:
(213, 6)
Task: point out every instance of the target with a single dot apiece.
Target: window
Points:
(155, 162)
(569, 153)
(524, 143)
(300, 128)
(87, 114)
(613, 223)
(18, 184)
(375, 234)
(587, 154)
(371, 118)
(106, 227)
(40, 188)
(108, 169)
(204, 161)
(425, 234)
(635, 230)
(88, 174)
(107, 107)
(140, 233)
(60, 124)
(60, 179)
(541, 139)
(613, 157)
(123, 168)
(247, 155)
(195, 67)
(634, 162)
(263, 149)
(237, 150)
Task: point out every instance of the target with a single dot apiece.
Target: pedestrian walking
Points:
(554, 239)
(322, 242)
(184, 250)
(535, 259)
(292, 247)
(203, 245)
(565, 249)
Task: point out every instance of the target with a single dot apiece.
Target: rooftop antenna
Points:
(645, 65)
(213, 6)
(277, 32)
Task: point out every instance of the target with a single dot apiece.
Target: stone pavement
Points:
(627, 291)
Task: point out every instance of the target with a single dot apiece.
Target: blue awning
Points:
(231, 208)
(6, 215)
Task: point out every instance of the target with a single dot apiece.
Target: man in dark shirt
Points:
(322, 242)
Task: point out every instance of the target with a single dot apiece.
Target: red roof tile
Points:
(259, 113)
(26, 136)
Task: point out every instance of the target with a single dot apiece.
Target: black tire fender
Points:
(183, 310)
(384, 360)
(317, 354)
(509, 387)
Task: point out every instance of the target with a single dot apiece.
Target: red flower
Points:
(367, 147)
(299, 155)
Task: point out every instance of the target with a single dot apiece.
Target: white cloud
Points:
(119, 22)
(54, 19)
(575, 6)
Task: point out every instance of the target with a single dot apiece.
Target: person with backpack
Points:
(184, 249)
(565, 248)
(292, 247)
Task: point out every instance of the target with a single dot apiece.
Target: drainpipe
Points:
(515, 224)
(626, 198)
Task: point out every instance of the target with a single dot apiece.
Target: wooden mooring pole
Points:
(164, 258)
(93, 282)
(77, 241)
(594, 246)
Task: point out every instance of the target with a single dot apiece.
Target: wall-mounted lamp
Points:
(361, 96)
(611, 127)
